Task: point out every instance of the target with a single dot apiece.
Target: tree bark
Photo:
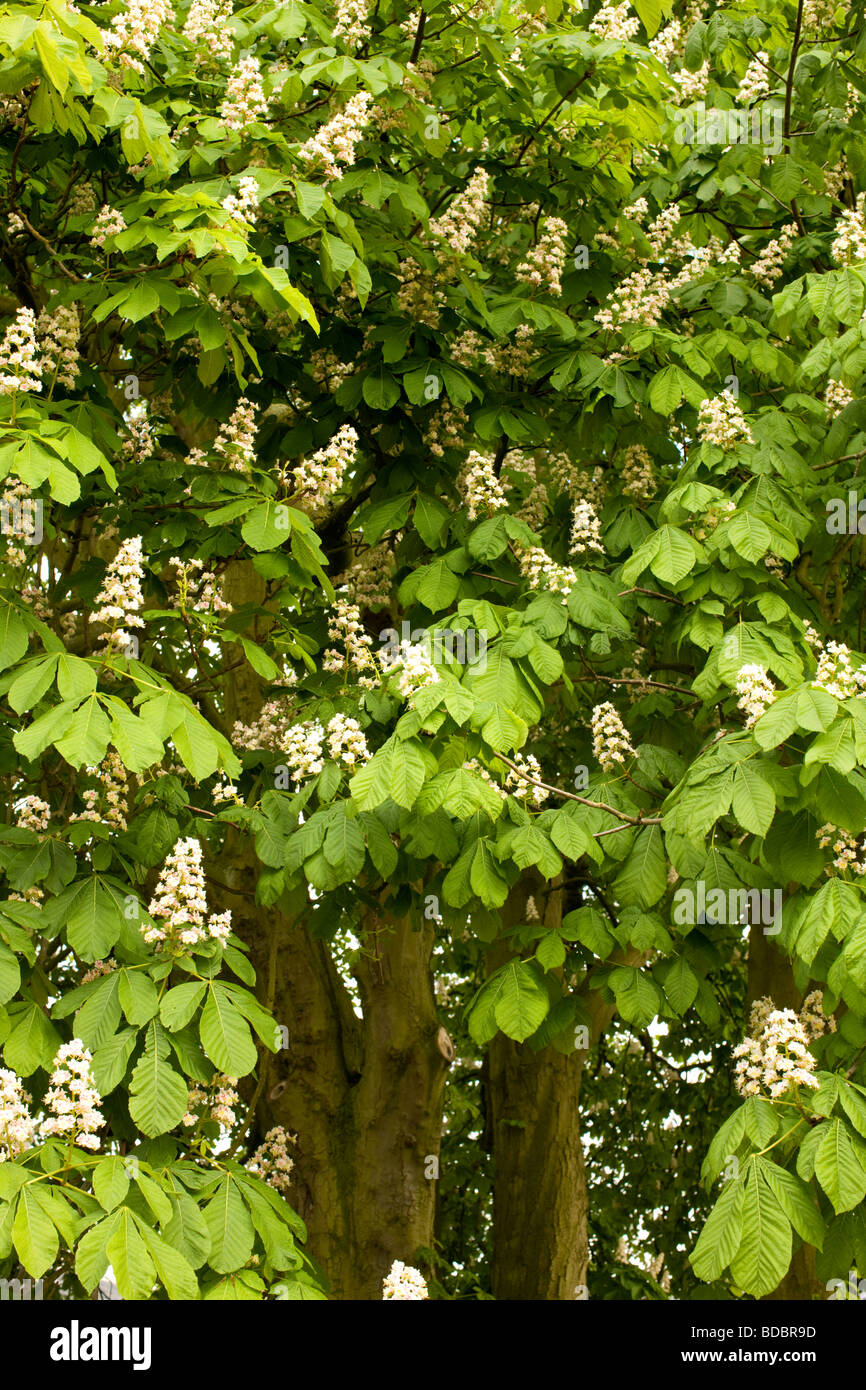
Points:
(540, 1240)
(364, 1097)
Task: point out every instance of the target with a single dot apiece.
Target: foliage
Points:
(415, 301)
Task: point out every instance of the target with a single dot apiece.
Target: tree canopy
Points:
(431, 648)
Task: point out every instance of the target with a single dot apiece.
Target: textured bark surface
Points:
(540, 1241)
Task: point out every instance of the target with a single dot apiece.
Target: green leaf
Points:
(523, 1001)
(133, 1268)
(797, 1202)
(110, 1182)
(138, 997)
(720, 1238)
(267, 526)
(754, 801)
(230, 1228)
(174, 1270)
(94, 918)
(158, 1094)
(34, 1234)
(675, 555)
(75, 678)
(32, 1042)
(765, 1250)
(225, 1034)
(179, 1004)
(680, 984)
(838, 1168)
(643, 877)
(88, 735)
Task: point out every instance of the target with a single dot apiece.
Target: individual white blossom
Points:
(641, 298)
(346, 741)
(821, 14)
(302, 750)
(849, 244)
(526, 766)
(321, 476)
(836, 397)
(768, 266)
(615, 22)
(413, 661)
(459, 225)
(755, 83)
(58, 332)
(543, 572)
(244, 204)
(214, 1102)
(352, 25)
(207, 27)
(179, 903)
(836, 675)
(120, 597)
(32, 813)
(141, 441)
(135, 30)
(611, 744)
(405, 1283)
(334, 143)
(638, 474)
(721, 422)
(73, 1099)
(848, 851)
(271, 1159)
(756, 692)
(270, 729)
(480, 488)
(545, 261)
(585, 530)
(345, 626)
(197, 588)
(110, 803)
(813, 1018)
(109, 223)
(245, 98)
(775, 1055)
(17, 1125)
(20, 368)
(236, 439)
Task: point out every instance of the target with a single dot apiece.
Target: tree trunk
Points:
(540, 1242)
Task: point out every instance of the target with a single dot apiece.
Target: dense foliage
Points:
(432, 446)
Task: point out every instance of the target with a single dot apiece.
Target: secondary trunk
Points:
(540, 1243)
